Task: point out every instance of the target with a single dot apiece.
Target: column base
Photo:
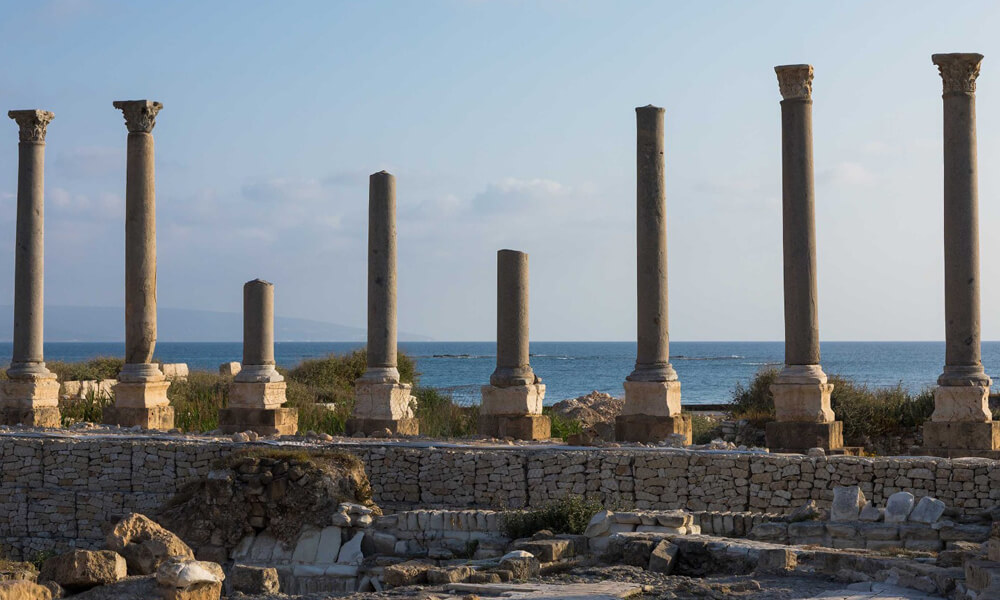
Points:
(40, 416)
(657, 398)
(958, 439)
(396, 426)
(650, 429)
(153, 417)
(262, 421)
(257, 394)
(799, 437)
(382, 401)
(512, 401)
(519, 427)
(962, 404)
(802, 402)
(147, 394)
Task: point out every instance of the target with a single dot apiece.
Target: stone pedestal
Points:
(263, 421)
(652, 412)
(962, 424)
(380, 406)
(515, 412)
(142, 403)
(34, 403)
(802, 411)
(799, 437)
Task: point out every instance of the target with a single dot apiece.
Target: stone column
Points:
(652, 409)
(381, 401)
(801, 392)
(30, 396)
(512, 403)
(961, 424)
(141, 391)
(258, 390)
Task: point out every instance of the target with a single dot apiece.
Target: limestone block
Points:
(898, 507)
(175, 371)
(847, 502)
(799, 436)
(307, 546)
(652, 428)
(657, 398)
(928, 510)
(982, 575)
(152, 417)
(254, 580)
(83, 569)
(547, 550)
(521, 427)
(257, 394)
(144, 544)
(389, 401)
(776, 560)
(230, 369)
(406, 573)
(329, 545)
(662, 558)
(870, 513)
(41, 416)
(263, 421)
(141, 394)
(350, 552)
(25, 590)
(516, 400)
(600, 524)
(521, 564)
(963, 403)
(961, 438)
(802, 402)
(184, 573)
(28, 393)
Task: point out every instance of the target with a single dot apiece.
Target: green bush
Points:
(197, 401)
(566, 515)
(562, 427)
(88, 409)
(441, 417)
(703, 429)
(755, 402)
(102, 367)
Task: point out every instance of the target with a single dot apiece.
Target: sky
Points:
(508, 124)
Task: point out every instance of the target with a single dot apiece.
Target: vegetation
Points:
(103, 367)
(567, 515)
(867, 413)
(442, 418)
(562, 427)
(90, 408)
(703, 429)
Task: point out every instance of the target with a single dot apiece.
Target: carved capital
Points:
(140, 115)
(959, 71)
(32, 124)
(795, 81)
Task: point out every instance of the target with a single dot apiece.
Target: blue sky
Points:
(508, 125)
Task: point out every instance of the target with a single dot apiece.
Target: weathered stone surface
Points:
(145, 544)
(83, 569)
(516, 400)
(928, 510)
(200, 591)
(547, 550)
(23, 590)
(411, 572)
(637, 552)
(230, 369)
(661, 559)
(775, 560)
(898, 507)
(442, 575)
(183, 573)
(870, 513)
(522, 565)
(847, 502)
(254, 580)
(350, 552)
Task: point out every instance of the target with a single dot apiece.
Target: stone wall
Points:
(59, 491)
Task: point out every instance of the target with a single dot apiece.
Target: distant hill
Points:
(107, 324)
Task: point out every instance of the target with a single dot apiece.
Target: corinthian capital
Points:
(958, 71)
(140, 115)
(32, 124)
(795, 81)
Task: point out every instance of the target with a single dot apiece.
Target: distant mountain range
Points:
(107, 324)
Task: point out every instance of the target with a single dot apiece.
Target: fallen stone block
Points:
(254, 580)
(23, 590)
(521, 564)
(83, 569)
(411, 572)
(145, 544)
(600, 524)
(775, 560)
(547, 550)
(870, 514)
(661, 559)
(898, 507)
(442, 575)
(982, 575)
(928, 510)
(847, 503)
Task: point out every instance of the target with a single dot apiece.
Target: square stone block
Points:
(257, 394)
(396, 426)
(383, 401)
(147, 394)
(29, 393)
(800, 437)
(954, 440)
(651, 428)
(657, 398)
(263, 421)
(962, 403)
(42, 416)
(802, 402)
(519, 427)
(153, 417)
(517, 400)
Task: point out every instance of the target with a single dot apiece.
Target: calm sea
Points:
(708, 370)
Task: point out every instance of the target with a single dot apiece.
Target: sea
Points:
(708, 371)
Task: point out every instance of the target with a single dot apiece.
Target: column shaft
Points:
(513, 362)
(140, 250)
(258, 323)
(382, 279)
(653, 340)
(29, 258)
(799, 233)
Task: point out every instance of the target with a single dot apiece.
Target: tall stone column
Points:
(258, 390)
(961, 424)
(652, 409)
(141, 391)
(801, 392)
(381, 401)
(30, 396)
(512, 403)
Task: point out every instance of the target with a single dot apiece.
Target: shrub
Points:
(566, 515)
(89, 408)
(755, 403)
(441, 417)
(562, 427)
(703, 429)
(102, 367)
(197, 401)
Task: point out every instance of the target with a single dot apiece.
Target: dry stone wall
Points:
(58, 492)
